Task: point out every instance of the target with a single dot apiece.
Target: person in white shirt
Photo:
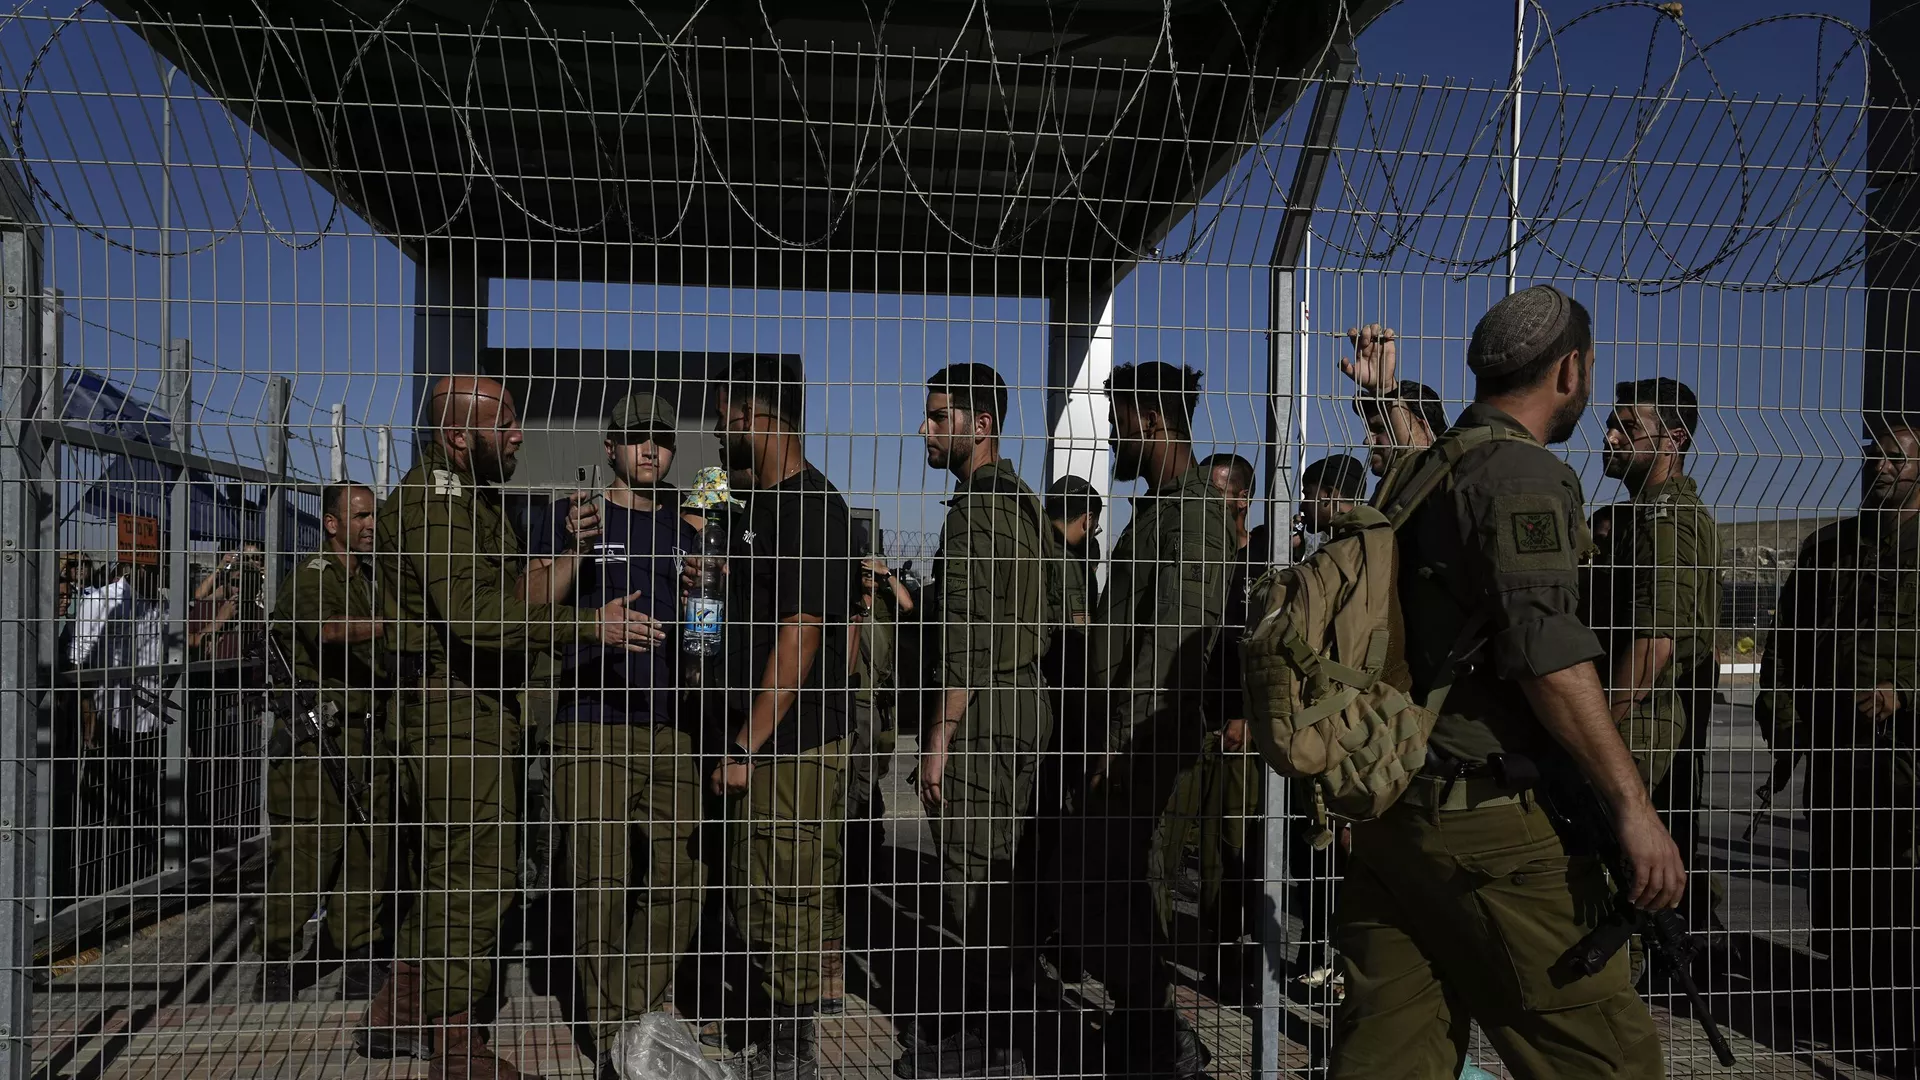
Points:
(122, 626)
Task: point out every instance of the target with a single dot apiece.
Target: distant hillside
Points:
(1780, 534)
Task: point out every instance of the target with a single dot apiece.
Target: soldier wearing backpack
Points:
(1155, 628)
(980, 744)
(1460, 898)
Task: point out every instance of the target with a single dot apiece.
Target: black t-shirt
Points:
(790, 552)
(638, 551)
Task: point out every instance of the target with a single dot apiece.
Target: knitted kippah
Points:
(1514, 331)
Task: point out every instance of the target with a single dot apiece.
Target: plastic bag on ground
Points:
(658, 1046)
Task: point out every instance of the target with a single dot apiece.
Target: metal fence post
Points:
(53, 381)
(177, 399)
(337, 463)
(277, 559)
(23, 617)
(1286, 349)
(383, 463)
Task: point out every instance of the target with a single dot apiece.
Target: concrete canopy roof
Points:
(923, 146)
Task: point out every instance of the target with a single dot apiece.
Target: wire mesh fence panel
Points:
(801, 542)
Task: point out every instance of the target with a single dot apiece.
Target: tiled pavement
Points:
(170, 1003)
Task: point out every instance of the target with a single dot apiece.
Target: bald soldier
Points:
(1460, 901)
(451, 582)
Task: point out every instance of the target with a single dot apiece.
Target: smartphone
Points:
(592, 488)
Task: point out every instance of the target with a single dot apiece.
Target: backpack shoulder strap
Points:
(1405, 491)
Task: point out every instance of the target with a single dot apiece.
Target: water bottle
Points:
(705, 607)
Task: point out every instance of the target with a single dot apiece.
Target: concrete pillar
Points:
(449, 319)
(1079, 359)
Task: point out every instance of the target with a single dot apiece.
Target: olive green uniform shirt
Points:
(450, 564)
(995, 600)
(1656, 574)
(321, 588)
(1848, 620)
(1158, 621)
(1491, 562)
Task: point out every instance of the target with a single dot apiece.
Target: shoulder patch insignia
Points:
(447, 483)
(1535, 533)
(319, 562)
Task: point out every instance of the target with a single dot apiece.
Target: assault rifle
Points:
(311, 719)
(1589, 829)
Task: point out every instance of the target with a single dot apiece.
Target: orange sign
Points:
(139, 540)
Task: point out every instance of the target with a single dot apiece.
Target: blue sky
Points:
(278, 279)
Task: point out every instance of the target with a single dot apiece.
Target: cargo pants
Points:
(311, 843)
(992, 765)
(1462, 914)
(1865, 844)
(628, 798)
(1112, 857)
(1215, 807)
(460, 752)
(869, 755)
(776, 869)
(1655, 732)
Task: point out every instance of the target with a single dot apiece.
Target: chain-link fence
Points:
(379, 382)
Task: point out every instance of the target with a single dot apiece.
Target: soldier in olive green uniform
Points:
(980, 749)
(328, 627)
(1841, 689)
(1460, 901)
(1154, 631)
(871, 640)
(1653, 595)
(1073, 509)
(452, 581)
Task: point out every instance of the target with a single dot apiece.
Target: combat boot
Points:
(392, 1025)
(789, 1053)
(363, 971)
(465, 1055)
(275, 983)
(961, 1055)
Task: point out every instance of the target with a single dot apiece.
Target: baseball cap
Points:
(642, 412)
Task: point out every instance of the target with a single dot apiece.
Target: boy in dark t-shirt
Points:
(626, 770)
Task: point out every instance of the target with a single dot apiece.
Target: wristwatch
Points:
(739, 754)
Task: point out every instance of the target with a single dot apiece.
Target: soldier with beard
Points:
(1839, 687)
(459, 635)
(1653, 596)
(1154, 632)
(980, 747)
(790, 593)
(1461, 900)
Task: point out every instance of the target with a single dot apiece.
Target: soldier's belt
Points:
(1464, 793)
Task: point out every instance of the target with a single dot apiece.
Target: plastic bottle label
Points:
(703, 617)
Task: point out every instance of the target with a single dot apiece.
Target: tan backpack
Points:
(1328, 691)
